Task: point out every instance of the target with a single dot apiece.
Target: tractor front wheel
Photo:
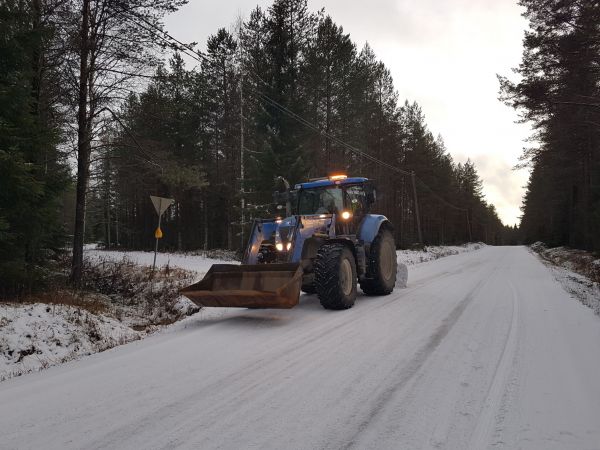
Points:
(335, 276)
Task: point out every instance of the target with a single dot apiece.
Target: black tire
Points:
(335, 276)
(309, 288)
(382, 265)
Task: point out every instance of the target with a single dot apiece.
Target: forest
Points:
(101, 107)
(559, 94)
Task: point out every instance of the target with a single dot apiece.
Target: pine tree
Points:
(558, 95)
(288, 26)
(223, 83)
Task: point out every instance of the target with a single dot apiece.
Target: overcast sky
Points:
(443, 54)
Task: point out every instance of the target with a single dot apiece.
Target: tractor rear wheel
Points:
(335, 276)
(382, 265)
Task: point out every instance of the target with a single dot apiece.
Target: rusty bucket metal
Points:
(248, 286)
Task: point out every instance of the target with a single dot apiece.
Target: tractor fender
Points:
(369, 228)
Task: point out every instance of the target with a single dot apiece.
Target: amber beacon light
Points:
(338, 177)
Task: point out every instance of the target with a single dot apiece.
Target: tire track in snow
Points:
(487, 419)
(295, 348)
(301, 350)
(412, 368)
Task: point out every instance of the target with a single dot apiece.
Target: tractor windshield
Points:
(326, 200)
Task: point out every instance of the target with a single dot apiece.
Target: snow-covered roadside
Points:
(201, 264)
(188, 261)
(37, 336)
(120, 305)
(575, 270)
(412, 257)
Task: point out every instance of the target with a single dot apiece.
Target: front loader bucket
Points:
(248, 286)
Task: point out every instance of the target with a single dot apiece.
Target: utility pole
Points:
(469, 226)
(242, 200)
(414, 185)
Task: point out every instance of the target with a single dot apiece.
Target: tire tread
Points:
(327, 268)
(374, 284)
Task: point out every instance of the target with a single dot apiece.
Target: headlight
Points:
(288, 246)
(346, 215)
(279, 247)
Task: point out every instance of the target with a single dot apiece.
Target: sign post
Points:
(161, 204)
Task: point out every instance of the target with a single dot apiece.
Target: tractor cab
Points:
(347, 198)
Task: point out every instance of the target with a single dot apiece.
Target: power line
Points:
(328, 135)
(163, 32)
(200, 57)
(130, 74)
(131, 135)
(441, 199)
(274, 103)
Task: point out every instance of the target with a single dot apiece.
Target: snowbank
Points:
(577, 271)
(36, 336)
(412, 257)
(119, 303)
(199, 263)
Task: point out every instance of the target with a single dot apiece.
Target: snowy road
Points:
(482, 350)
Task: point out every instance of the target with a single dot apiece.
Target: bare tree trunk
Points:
(108, 220)
(83, 148)
(117, 223)
(203, 206)
(178, 215)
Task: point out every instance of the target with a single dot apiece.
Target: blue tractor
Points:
(327, 243)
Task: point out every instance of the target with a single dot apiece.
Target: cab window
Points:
(356, 200)
(327, 200)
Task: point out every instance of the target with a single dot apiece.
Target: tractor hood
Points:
(284, 230)
(287, 235)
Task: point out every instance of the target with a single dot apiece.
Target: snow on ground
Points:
(579, 286)
(198, 263)
(33, 337)
(577, 271)
(432, 252)
(482, 350)
(201, 263)
(36, 336)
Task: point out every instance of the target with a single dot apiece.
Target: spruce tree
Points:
(32, 173)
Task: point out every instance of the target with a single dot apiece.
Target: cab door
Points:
(356, 202)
